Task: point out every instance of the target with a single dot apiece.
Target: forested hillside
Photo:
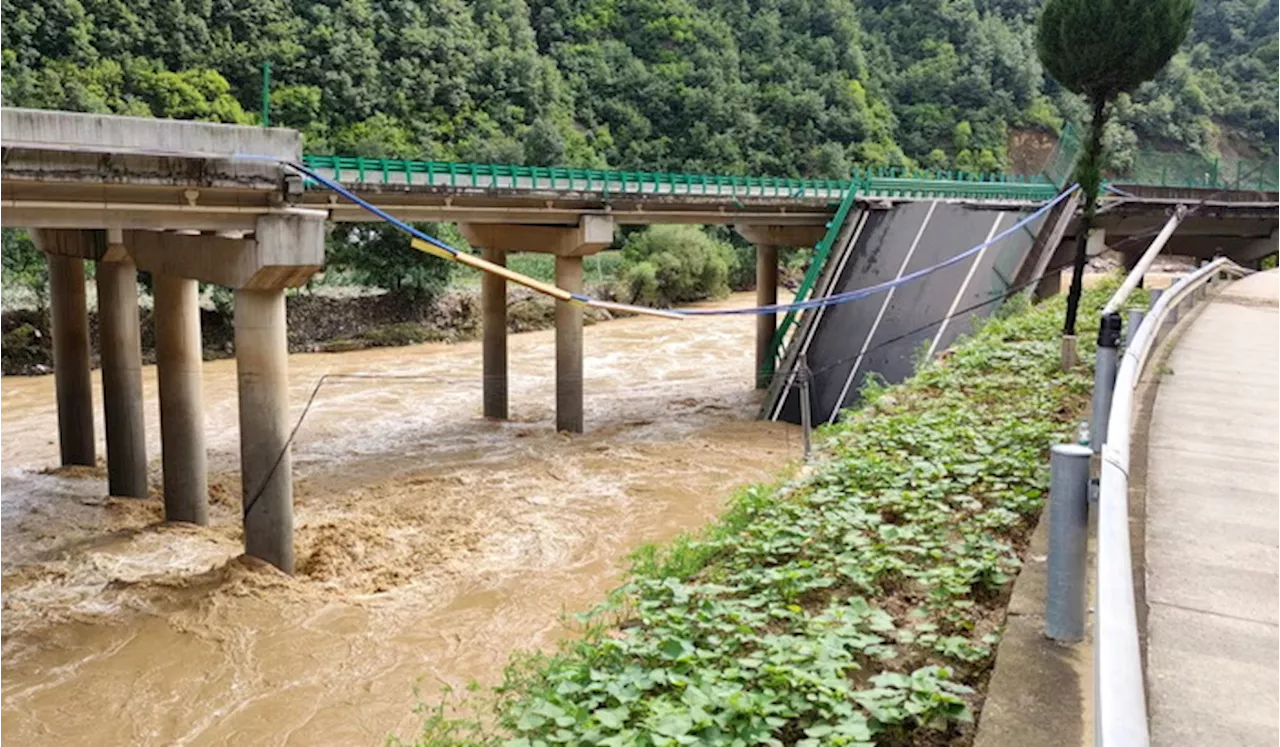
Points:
(788, 87)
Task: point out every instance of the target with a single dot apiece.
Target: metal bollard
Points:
(1131, 328)
(1064, 603)
(1104, 379)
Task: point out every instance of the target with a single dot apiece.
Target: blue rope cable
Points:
(813, 303)
(388, 217)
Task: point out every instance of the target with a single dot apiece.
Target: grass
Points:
(387, 335)
(857, 602)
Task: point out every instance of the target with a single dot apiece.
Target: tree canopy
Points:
(1100, 50)
(783, 87)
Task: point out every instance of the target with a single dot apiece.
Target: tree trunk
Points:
(1089, 177)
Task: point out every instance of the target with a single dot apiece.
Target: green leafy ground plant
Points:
(857, 602)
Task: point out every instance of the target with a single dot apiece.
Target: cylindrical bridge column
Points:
(179, 364)
(262, 370)
(120, 342)
(71, 359)
(569, 348)
(766, 324)
(493, 304)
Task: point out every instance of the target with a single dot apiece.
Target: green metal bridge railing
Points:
(883, 182)
(821, 251)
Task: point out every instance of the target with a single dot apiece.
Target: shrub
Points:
(666, 265)
(24, 265)
(380, 256)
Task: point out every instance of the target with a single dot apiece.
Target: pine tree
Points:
(1100, 49)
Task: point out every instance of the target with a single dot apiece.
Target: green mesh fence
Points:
(1194, 170)
(1163, 169)
(1062, 161)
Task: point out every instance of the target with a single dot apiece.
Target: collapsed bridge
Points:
(240, 207)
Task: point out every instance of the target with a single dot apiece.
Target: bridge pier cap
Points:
(287, 248)
(592, 234)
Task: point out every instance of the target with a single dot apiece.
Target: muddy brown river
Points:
(430, 542)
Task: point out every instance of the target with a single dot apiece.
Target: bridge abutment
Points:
(120, 342)
(179, 371)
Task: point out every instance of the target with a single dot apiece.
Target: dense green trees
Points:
(24, 265)
(787, 87)
(770, 87)
(380, 255)
(667, 265)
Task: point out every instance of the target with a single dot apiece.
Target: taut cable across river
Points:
(430, 542)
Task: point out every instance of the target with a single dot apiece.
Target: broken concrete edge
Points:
(38, 129)
(1041, 692)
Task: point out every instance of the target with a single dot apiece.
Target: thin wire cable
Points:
(315, 390)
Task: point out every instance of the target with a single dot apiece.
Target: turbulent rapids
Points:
(430, 543)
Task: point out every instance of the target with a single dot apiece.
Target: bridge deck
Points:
(1211, 529)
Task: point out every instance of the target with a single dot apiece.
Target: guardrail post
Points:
(806, 424)
(1064, 604)
(1104, 379)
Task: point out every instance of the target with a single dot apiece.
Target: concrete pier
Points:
(121, 346)
(71, 359)
(266, 467)
(569, 244)
(178, 370)
(569, 348)
(493, 303)
(767, 239)
(766, 324)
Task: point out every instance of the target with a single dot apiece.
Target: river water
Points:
(430, 542)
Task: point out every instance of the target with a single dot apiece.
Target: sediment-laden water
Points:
(430, 543)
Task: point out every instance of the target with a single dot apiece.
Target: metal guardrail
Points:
(877, 182)
(1119, 692)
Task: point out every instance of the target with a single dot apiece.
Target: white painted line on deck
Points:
(955, 302)
(884, 305)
